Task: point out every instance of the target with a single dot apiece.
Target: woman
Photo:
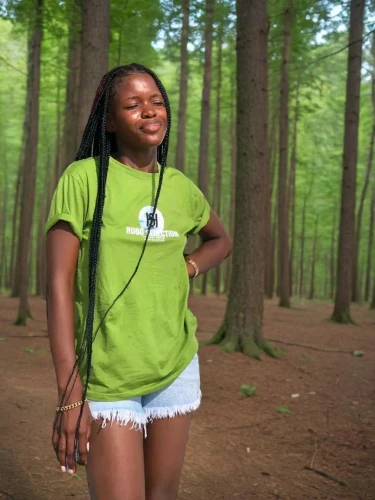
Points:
(121, 334)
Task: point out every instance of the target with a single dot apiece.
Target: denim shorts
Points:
(182, 396)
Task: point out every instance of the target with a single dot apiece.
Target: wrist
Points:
(73, 391)
(192, 267)
(190, 270)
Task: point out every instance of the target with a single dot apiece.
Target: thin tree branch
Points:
(337, 51)
(11, 66)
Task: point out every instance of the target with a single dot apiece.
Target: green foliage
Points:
(247, 390)
(149, 32)
(284, 410)
(358, 354)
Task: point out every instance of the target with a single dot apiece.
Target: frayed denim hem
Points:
(139, 422)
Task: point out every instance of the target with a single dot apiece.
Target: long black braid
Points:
(97, 141)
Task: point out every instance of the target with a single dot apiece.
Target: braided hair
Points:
(97, 141)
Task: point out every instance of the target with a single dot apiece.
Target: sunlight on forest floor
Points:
(313, 408)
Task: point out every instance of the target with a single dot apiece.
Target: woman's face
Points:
(137, 113)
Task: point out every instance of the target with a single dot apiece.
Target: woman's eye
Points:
(159, 103)
(131, 107)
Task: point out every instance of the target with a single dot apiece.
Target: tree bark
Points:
(15, 245)
(269, 251)
(70, 139)
(184, 74)
(302, 251)
(372, 305)
(283, 163)
(94, 55)
(218, 148)
(313, 261)
(242, 326)
(341, 313)
(58, 163)
(292, 193)
(29, 166)
(203, 173)
(326, 276)
(233, 137)
(3, 221)
(356, 250)
(332, 258)
(369, 248)
(273, 252)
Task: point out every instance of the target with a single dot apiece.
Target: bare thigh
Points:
(164, 452)
(115, 468)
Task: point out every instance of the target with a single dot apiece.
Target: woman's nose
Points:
(149, 111)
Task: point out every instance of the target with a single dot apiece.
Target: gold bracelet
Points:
(69, 407)
(192, 263)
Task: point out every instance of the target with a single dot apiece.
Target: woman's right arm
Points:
(62, 255)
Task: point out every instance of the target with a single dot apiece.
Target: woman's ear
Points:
(110, 126)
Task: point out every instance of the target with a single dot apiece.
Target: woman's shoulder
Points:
(179, 177)
(81, 170)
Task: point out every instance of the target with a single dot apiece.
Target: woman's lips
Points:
(151, 127)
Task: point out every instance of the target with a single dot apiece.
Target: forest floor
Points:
(240, 447)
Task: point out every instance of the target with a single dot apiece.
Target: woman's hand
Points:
(190, 270)
(64, 438)
(215, 247)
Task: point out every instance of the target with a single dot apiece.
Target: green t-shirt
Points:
(148, 337)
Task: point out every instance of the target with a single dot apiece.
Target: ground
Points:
(240, 447)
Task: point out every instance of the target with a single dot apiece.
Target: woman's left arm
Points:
(216, 246)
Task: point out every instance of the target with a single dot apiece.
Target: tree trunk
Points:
(70, 140)
(29, 166)
(203, 173)
(292, 193)
(356, 249)
(269, 251)
(302, 251)
(233, 137)
(218, 149)
(184, 74)
(313, 261)
(273, 252)
(15, 245)
(283, 163)
(94, 55)
(372, 305)
(58, 167)
(41, 280)
(369, 248)
(3, 220)
(341, 313)
(242, 326)
(326, 276)
(332, 258)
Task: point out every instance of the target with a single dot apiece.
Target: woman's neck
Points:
(146, 161)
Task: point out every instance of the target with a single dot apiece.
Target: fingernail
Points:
(88, 446)
(71, 471)
(63, 469)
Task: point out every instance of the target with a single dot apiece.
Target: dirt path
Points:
(240, 448)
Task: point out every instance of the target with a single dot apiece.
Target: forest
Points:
(191, 45)
(273, 117)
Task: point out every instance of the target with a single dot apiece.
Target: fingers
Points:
(69, 450)
(82, 447)
(60, 449)
(70, 458)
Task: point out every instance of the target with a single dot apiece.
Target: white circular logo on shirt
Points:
(146, 220)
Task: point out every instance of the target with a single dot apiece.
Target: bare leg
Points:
(164, 451)
(115, 468)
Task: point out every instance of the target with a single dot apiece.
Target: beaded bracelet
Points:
(192, 263)
(69, 407)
